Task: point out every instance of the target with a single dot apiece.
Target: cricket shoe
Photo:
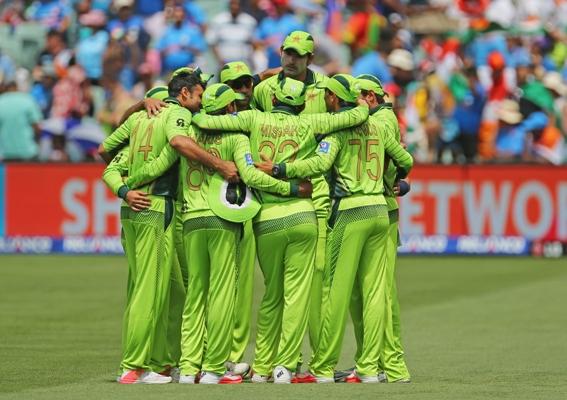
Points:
(257, 378)
(304, 377)
(230, 379)
(187, 379)
(341, 375)
(173, 372)
(141, 376)
(281, 375)
(382, 378)
(241, 368)
(354, 377)
(210, 378)
(403, 380)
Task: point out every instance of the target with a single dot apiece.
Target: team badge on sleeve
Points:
(324, 147)
(248, 159)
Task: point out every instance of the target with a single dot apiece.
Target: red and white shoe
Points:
(354, 377)
(304, 377)
(134, 376)
(230, 379)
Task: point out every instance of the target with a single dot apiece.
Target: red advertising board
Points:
(527, 201)
(59, 200)
(530, 201)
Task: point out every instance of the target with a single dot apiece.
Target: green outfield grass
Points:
(474, 328)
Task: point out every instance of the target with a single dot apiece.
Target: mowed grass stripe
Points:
(473, 328)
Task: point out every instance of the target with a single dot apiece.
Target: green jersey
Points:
(116, 170)
(282, 136)
(388, 120)
(357, 158)
(147, 137)
(314, 103)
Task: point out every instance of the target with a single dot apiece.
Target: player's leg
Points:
(193, 322)
(345, 242)
(356, 316)
(393, 355)
(372, 280)
(317, 285)
(153, 234)
(271, 246)
(298, 272)
(223, 247)
(244, 294)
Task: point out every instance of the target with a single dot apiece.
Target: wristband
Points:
(404, 188)
(294, 189)
(123, 191)
(278, 170)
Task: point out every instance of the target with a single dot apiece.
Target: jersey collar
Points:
(284, 110)
(172, 100)
(309, 79)
(384, 106)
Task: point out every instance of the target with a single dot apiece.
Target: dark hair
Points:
(294, 109)
(56, 33)
(184, 79)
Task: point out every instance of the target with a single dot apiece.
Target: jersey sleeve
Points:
(178, 123)
(250, 175)
(325, 123)
(238, 122)
(319, 163)
(120, 137)
(153, 169)
(397, 153)
(115, 170)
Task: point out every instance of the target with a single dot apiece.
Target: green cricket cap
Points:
(205, 78)
(300, 41)
(234, 70)
(218, 96)
(290, 92)
(232, 201)
(371, 83)
(158, 93)
(345, 86)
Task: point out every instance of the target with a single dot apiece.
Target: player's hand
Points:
(137, 200)
(153, 106)
(229, 171)
(266, 165)
(397, 189)
(305, 189)
(361, 101)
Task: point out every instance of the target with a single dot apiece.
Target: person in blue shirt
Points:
(513, 130)
(128, 24)
(53, 14)
(92, 45)
(180, 43)
(195, 13)
(372, 63)
(273, 30)
(149, 7)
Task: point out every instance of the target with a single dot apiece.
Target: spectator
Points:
(13, 13)
(553, 82)
(42, 89)
(272, 30)
(373, 63)
(119, 100)
(230, 35)
(56, 54)
(19, 129)
(7, 69)
(52, 14)
(181, 43)
(92, 45)
(147, 8)
(70, 95)
(195, 14)
(128, 24)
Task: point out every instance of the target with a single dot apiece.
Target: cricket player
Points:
(149, 234)
(296, 55)
(285, 229)
(391, 355)
(359, 229)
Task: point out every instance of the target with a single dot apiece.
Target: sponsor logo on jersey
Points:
(248, 159)
(324, 147)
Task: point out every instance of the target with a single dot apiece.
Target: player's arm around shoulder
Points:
(400, 156)
(318, 163)
(153, 169)
(236, 122)
(117, 140)
(114, 173)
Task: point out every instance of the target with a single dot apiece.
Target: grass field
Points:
(474, 328)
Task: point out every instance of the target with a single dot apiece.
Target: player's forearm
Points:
(347, 119)
(226, 123)
(139, 106)
(313, 166)
(112, 177)
(264, 182)
(187, 147)
(153, 169)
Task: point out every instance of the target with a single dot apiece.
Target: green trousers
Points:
(148, 237)
(356, 263)
(211, 244)
(317, 285)
(244, 294)
(286, 253)
(391, 355)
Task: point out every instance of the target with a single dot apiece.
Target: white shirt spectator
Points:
(232, 37)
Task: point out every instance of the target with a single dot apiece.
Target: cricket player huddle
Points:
(299, 171)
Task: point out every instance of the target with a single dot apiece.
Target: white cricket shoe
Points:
(187, 379)
(152, 378)
(324, 379)
(209, 378)
(382, 378)
(281, 375)
(241, 369)
(257, 378)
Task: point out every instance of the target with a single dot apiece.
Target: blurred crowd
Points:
(471, 80)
